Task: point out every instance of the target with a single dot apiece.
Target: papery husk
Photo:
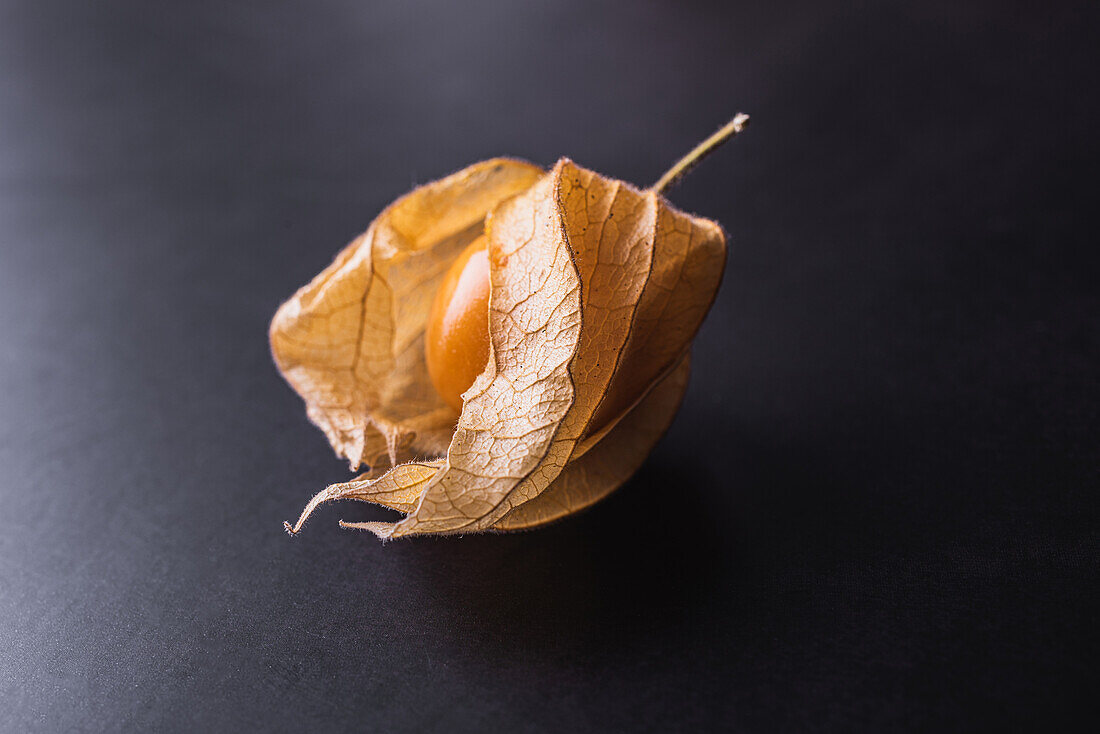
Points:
(351, 342)
(598, 289)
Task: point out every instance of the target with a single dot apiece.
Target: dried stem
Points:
(699, 152)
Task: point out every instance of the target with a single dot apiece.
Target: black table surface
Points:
(874, 512)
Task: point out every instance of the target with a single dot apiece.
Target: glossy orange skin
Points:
(456, 341)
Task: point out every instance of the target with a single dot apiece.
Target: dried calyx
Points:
(550, 313)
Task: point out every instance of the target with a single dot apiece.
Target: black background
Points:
(874, 511)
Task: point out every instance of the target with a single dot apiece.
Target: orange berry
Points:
(456, 341)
